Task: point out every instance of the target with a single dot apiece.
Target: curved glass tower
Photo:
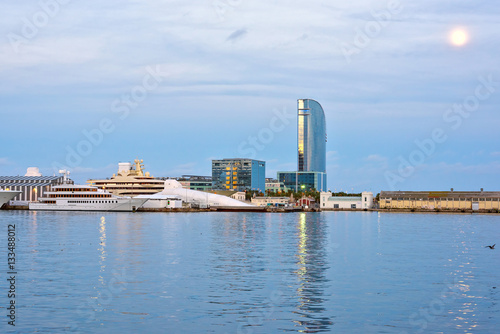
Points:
(311, 137)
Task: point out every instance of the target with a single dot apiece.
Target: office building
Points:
(311, 136)
(274, 186)
(303, 181)
(311, 149)
(196, 182)
(239, 174)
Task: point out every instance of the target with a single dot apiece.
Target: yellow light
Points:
(459, 37)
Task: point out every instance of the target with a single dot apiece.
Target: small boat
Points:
(71, 197)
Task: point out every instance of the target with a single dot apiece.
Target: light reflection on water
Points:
(254, 273)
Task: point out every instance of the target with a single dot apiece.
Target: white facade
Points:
(70, 197)
(159, 201)
(270, 201)
(363, 202)
(240, 196)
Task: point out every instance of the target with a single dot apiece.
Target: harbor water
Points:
(331, 272)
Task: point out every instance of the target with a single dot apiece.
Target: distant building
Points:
(306, 202)
(445, 200)
(303, 181)
(238, 174)
(365, 201)
(271, 201)
(32, 187)
(196, 182)
(274, 185)
(311, 149)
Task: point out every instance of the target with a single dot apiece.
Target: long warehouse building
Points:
(443, 200)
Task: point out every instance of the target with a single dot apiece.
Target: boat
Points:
(130, 181)
(7, 195)
(71, 197)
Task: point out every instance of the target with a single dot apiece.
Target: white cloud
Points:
(376, 158)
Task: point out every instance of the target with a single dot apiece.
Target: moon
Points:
(459, 37)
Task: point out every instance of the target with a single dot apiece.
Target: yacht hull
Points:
(7, 195)
(120, 204)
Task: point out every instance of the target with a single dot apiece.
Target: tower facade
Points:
(311, 136)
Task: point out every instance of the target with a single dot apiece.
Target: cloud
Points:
(4, 161)
(376, 158)
(238, 34)
(495, 154)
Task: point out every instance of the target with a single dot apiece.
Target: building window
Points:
(353, 206)
(335, 206)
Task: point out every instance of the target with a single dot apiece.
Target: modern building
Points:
(239, 174)
(196, 182)
(442, 200)
(32, 187)
(311, 136)
(303, 181)
(327, 201)
(311, 149)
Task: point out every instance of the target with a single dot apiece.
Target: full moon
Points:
(459, 37)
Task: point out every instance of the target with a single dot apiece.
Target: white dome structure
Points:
(173, 187)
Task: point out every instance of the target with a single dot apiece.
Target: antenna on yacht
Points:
(65, 174)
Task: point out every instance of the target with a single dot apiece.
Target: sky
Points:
(410, 89)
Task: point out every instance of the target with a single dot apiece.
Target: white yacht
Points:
(70, 197)
(7, 195)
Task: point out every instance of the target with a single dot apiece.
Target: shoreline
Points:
(287, 210)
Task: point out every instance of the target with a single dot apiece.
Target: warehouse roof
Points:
(438, 194)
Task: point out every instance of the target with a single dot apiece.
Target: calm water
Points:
(336, 272)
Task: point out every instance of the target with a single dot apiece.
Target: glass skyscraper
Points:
(311, 133)
(311, 149)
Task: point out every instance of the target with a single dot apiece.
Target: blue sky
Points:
(178, 83)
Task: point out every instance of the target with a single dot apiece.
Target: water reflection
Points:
(102, 249)
(312, 266)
